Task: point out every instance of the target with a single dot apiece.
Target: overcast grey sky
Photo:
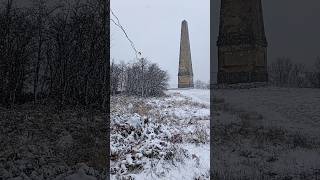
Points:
(154, 26)
(292, 29)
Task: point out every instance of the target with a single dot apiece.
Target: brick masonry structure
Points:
(242, 44)
(185, 75)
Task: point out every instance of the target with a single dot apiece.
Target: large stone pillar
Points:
(185, 75)
(242, 44)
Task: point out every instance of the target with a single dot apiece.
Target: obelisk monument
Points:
(185, 75)
(242, 44)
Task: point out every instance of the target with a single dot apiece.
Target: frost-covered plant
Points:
(146, 137)
(200, 135)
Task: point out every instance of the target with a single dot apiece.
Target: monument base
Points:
(185, 86)
(241, 77)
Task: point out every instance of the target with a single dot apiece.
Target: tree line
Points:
(54, 52)
(284, 72)
(141, 78)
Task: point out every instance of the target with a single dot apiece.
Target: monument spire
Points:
(185, 75)
(242, 44)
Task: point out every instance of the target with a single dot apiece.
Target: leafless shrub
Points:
(198, 84)
(283, 72)
(142, 78)
(200, 135)
(176, 138)
(141, 108)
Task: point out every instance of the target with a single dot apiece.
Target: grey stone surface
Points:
(185, 75)
(242, 44)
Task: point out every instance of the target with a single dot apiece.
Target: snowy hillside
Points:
(266, 133)
(160, 138)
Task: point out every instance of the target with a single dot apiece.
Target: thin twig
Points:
(125, 33)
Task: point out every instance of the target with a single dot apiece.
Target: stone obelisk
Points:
(185, 75)
(242, 44)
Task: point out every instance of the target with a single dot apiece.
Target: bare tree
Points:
(297, 76)
(200, 85)
(16, 51)
(60, 53)
(285, 73)
(279, 71)
(317, 72)
(141, 78)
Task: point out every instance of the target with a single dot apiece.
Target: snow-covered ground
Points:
(40, 142)
(197, 95)
(295, 107)
(266, 133)
(161, 138)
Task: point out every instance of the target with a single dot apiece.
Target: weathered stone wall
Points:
(242, 59)
(185, 75)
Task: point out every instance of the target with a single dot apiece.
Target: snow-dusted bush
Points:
(149, 137)
(198, 84)
(141, 78)
(137, 141)
(283, 72)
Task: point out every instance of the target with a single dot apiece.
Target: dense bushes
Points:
(141, 78)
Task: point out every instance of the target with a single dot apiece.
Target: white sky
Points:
(154, 26)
